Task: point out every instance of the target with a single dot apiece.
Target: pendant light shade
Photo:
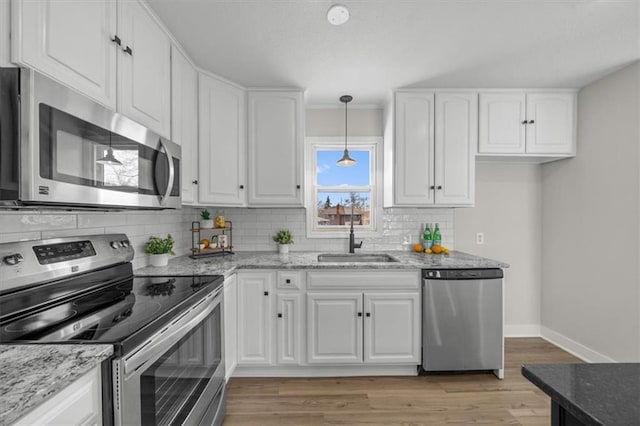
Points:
(346, 160)
(109, 159)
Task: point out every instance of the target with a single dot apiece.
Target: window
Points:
(338, 194)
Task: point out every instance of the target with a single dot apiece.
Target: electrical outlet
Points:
(479, 238)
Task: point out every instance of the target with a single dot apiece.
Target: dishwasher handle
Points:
(462, 274)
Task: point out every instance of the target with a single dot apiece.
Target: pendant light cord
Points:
(345, 125)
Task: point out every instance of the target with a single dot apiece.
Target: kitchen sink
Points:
(360, 257)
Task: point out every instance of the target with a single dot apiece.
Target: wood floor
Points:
(428, 400)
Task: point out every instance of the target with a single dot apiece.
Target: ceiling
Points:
(388, 44)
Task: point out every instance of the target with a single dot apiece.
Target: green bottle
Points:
(437, 237)
(427, 241)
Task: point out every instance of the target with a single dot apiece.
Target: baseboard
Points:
(522, 330)
(326, 371)
(577, 349)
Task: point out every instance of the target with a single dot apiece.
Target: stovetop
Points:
(100, 307)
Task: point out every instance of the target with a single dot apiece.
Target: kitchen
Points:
(548, 221)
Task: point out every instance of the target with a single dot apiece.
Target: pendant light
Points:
(109, 159)
(346, 160)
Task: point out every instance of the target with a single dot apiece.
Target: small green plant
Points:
(205, 214)
(283, 236)
(157, 245)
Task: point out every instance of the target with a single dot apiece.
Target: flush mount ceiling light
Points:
(338, 14)
(345, 160)
(109, 159)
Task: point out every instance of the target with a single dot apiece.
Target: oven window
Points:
(172, 385)
(74, 151)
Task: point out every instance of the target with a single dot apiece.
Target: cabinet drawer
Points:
(289, 280)
(365, 279)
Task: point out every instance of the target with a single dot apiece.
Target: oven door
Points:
(77, 152)
(177, 376)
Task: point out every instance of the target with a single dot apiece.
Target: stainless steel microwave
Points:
(60, 148)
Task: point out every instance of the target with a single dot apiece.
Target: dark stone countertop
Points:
(595, 394)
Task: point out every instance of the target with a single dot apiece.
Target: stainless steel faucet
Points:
(352, 238)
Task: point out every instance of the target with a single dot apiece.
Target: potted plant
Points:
(283, 237)
(159, 250)
(206, 222)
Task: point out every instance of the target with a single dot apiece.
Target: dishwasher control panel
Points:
(462, 274)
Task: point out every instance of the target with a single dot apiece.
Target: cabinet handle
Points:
(297, 186)
(524, 122)
(439, 186)
(266, 293)
(117, 40)
(368, 314)
(288, 281)
(279, 315)
(195, 182)
(531, 121)
(359, 314)
(432, 187)
(128, 50)
(241, 186)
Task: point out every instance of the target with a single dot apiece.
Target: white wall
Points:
(330, 122)
(591, 227)
(508, 212)
(138, 225)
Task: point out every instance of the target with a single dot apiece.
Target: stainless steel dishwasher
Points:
(462, 320)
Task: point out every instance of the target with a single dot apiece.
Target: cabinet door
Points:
(289, 328)
(551, 123)
(144, 75)
(230, 325)
(69, 41)
(334, 328)
(221, 167)
(184, 124)
(456, 137)
(78, 404)
(414, 149)
(501, 127)
(392, 328)
(255, 317)
(276, 135)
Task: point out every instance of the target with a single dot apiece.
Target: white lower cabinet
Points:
(78, 404)
(346, 328)
(230, 325)
(255, 317)
(392, 328)
(334, 328)
(288, 328)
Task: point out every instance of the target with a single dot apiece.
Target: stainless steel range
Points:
(168, 366)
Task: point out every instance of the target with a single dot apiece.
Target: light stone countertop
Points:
(31, 374)
(227, 265)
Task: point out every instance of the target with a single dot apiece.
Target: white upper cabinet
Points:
(113, 52)
(414, 149)
(550, 129)
(456, 139)
(222, 139)
(184, 120)
(527, 124)
(70, 41)
(276, 134)
(144, 68)
(434, 148)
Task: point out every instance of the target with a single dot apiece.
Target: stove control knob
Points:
(13, 259)
(124, 243)
(114, 244)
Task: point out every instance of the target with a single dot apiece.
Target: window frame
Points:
(373, 144)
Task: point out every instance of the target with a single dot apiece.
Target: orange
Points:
(206, 243)
(437, 249)
(417, 247)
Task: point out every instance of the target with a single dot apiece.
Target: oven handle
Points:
(160, 342)
(172, 172)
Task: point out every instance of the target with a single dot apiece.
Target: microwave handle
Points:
(172, 172)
